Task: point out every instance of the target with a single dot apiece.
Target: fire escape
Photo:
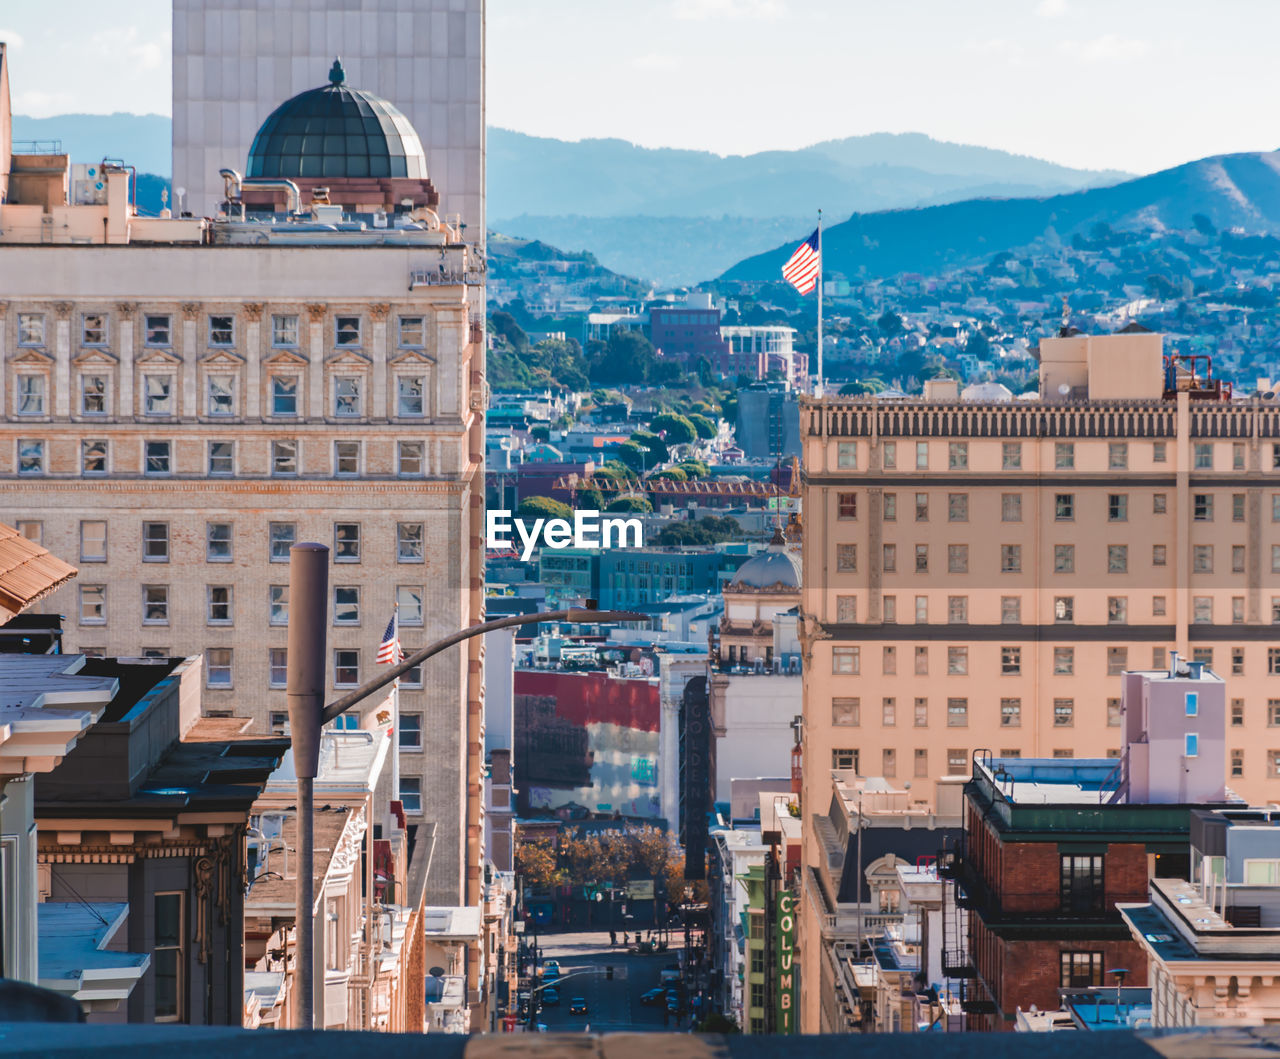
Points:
(958, 964)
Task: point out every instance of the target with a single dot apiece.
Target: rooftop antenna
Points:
(1066, 318)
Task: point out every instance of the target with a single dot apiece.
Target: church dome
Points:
(773, 570)
(337, 132)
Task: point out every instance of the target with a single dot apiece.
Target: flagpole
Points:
(395, 715)
(819, 387)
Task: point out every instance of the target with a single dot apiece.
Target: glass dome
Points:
(336, 131)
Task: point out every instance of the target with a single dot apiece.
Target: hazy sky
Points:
(1126, 84)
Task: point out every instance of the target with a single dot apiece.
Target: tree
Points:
(652, 444)
(890, 324)
(634, 456)
(627, 358)
(978, 346)
(675, 428)
(703, 425)
(630, 505)
(536, 863)
(590, 499)
(540, 431)
(536, 507)
(718, 1023)
(694, 468)
(674, 474)
(504, 325)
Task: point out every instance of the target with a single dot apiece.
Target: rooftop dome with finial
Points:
(772, 570)
(335, 132)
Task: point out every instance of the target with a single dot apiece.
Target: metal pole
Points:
(305, 686)
(861, 921)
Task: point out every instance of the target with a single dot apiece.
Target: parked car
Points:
(669, 976)
(550, 998)
(654, 997)
(578, 1006)
(673, 1002)
(551, 974)
(551, 965)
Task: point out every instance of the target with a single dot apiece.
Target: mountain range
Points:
(1230, 191)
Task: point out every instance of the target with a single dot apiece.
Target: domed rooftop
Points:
(773, 570)
(336, 131)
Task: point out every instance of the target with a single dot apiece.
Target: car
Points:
(551, 974)
(578, 1006)
(550, 998)
(669, 975)
(551, 965)
(654, 997)
(673, 1003)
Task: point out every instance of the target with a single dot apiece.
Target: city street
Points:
(611, 1005)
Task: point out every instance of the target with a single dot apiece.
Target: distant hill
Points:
(1232, 191)
(142, 140)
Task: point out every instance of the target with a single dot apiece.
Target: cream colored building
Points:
(979, 575)
(182, 404)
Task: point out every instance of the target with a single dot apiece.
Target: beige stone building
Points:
(182, 400)
(979, 575)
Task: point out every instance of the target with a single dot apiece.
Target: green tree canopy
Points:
(705, 427)
(535, 507)
(630, 505)
(628, 358)
(675, 474)
(653, 445)
(677, 429)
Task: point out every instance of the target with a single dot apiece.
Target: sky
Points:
(1136, 85)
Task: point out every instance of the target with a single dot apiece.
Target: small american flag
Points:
(389, 652)
(803, 267)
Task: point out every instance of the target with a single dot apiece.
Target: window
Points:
(1237, 559)
(409, 604)
(957, 661)
(413, 332)
(217, 667)
(155, 542)
(217, 542)
(1202, 610)
(1064, 455)
(889, 661)
(409, 542)
(409, 458)
(278, 604)
(93, 329)
(1118, 456)
(346, 668)
(891, 507)
(93, 395)
(922, 455)
(93, 542)
(846, 609)
(93, 604)
(278, 665)
(157, 457)
(218, 598)
(284, 330)
(1237, 661)
(957, 761)
(1010, 661)
(1064, 558)
(889, 455)
(921, 762)
(409, 391)
(1202, 654)
(31, 391)
(922, 507)
(30, 456)
(222, 330)
(1081, 886)
(346, 395)
(1159, 554)
(1064, 713)
(1011, 456)
(1064, 661)
(1273, 713)
(1064, 507)
(957, 558)
(1011, 713)
(346, 458)
(221, 390)
(847, 455)
(1159, 605)
(921, 712)
(411, 794)
(958, 455)
(346, 542)
(890, 563)
(282, 538)
(889, 712)
(922, 610)
(1011, 558)
(346, 605)
(1117, 558)
(1202, 507)
(922, 558)
(1202, 454)
(30, 529)
(93, 456)
(158, 395)
(1064, 608)
(222, 458)
(168, 956)
(284, 395)
(846, 505)
(1118, 507)
(1275, 558)
(846, 712)
(1159, 452)
(1273, 764)
(1115, 713)
(411, 731)
(1237, 713)
(888, 762)
(846, 660)
(1237, 507)
(1237, 762)
(1117, 661)
(958, 507)
(1191, 745)
(347, 331)
(284, 457)
(1117, 610)
(845, 758)
(31, 329)
(957, 713)
(1011, 507)
(957, 609)
(846, 557)
(155, 604)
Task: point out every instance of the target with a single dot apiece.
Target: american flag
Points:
(389, 652)
(803, 267)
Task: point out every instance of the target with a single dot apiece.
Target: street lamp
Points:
(305, 684)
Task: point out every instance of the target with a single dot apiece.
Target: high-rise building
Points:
(182, 400)
(979, 575)
(235, 60)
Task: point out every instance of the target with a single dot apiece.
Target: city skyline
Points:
(1128, 91)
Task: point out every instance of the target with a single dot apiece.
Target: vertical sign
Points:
(786, 969)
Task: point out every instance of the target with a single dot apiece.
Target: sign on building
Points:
(786, 970)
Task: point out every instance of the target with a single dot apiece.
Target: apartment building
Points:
(979, 575)
(182, 400)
